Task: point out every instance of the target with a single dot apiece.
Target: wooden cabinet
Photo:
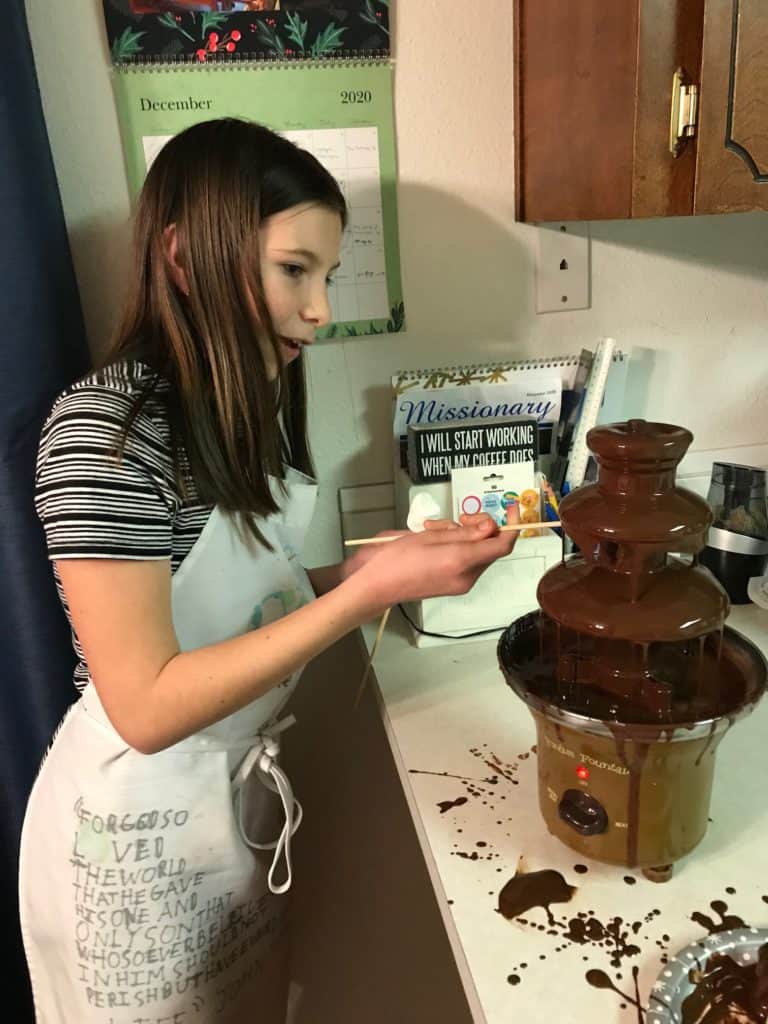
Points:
(593, 108)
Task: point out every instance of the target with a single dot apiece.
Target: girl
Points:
(174, 488)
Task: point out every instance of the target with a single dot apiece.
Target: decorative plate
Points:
(673, 984)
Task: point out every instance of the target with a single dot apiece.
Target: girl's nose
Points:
(318, 310)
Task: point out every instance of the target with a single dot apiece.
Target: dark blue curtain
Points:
(42, 349)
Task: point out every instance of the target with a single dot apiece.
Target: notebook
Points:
(550, 389)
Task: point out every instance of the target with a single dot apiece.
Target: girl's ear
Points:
(171, 250)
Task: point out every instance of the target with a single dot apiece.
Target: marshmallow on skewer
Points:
(422, 507)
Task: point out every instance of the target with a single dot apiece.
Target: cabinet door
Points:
(593, 94)
(732, 165)
(576, 66)
(669, 38)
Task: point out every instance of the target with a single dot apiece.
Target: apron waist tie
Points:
(263, 755)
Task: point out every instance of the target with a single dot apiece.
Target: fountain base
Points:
(623, 792)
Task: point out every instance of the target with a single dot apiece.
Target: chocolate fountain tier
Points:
(706, 679)
(650, 447)
(676, 602)
(676, 520)
(635, 500)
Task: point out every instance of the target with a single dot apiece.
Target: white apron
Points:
(144, 897)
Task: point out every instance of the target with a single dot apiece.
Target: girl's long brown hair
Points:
(217, 181)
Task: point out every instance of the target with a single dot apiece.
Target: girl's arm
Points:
(156, 695)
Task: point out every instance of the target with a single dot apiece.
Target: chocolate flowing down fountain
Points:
(628, 669)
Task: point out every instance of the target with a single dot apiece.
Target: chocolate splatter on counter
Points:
(611, 946)
(486, 788)
(726, 923)
(528, 891)
(446, 805)
(599, 979)
(537, 889)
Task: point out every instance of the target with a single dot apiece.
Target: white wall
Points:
(689, 296)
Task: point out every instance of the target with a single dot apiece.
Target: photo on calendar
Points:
(210, 31)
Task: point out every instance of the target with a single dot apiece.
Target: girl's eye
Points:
(293, 269)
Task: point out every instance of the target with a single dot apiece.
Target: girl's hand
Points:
(446, 559)
(362, 555)
(365, 553)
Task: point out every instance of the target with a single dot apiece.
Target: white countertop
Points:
(454, 726)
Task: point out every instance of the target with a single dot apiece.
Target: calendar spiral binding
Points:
(253, 59)
(559, 362)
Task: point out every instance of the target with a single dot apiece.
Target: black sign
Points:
(435, 449)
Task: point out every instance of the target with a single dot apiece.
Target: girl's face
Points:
(299, 251)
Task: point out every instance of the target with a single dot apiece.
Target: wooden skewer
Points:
(502, 529)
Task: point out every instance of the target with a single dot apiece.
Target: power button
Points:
(583, 813)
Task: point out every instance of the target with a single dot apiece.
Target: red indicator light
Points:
(583, 772)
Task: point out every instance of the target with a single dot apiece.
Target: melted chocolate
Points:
(537, 889)
(727, 991)
(620, 681)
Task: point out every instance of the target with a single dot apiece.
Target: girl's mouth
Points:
(293, 348)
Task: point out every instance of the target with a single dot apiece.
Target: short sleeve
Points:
(91, 503)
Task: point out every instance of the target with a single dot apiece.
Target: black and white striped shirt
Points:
(92, 505)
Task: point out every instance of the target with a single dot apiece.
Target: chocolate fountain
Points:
(628, 669)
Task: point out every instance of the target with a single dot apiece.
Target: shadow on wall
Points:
(469, 268)
(101, 253)
(473, 274)
(734, 242)
(466, 280)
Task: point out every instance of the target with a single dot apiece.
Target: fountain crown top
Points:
(639, 445)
